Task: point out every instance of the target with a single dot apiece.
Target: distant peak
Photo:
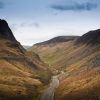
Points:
(59, 39)
(3, 21)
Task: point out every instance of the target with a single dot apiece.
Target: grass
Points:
(81, 63)
(22, 74)
(83, 86)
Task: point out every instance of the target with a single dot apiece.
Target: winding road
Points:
(49, 92)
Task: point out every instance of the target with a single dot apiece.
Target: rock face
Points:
(5, 31)
(92, 37)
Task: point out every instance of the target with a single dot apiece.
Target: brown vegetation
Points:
(22, 73)
(81, 62)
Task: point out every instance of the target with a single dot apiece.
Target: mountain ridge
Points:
(91, 37)
(58, 39)
(80, 61)
(5, 31)
(22, 73)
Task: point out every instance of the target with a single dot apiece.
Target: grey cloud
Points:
(75, 6)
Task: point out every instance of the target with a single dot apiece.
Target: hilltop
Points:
(91, 37)
(59, 39)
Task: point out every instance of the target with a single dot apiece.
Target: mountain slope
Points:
(82, 70)
(21, 74)
(92, 37)
(80, 61)
(50, 51)
(56, 40)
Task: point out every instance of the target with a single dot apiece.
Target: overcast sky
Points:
(35, 21)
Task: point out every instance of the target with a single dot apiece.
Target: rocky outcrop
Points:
(5, 31)
(92, 37)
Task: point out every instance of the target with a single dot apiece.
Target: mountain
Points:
(48, 50)
(80, 61)
(5, 31)
(26, 46)
(22, 73)
(59, 39)
(92, 37)
(82, 69)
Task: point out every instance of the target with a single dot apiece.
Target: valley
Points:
(63, 68)
(79, 58)
(49, 93)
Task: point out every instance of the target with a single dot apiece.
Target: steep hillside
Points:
(56, 40)
(51, 50)
(21, 73)
(80, 60)
(82, 70)
(92, 37)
